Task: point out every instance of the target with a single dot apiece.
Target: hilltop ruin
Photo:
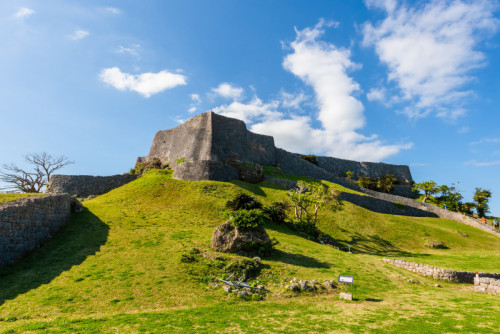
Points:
(208, 145)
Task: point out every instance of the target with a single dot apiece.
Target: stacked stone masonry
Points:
(442, 274)
(487, 285)
(87, 185)
(26, 223)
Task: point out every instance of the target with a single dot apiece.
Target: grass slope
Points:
(116, 268)
(9, 197)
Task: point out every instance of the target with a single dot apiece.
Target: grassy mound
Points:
(116, 267)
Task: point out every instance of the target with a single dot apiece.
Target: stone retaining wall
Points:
(487, 285)
(87, 185)
(442, 274)
(27, 222)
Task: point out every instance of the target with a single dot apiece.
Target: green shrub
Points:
(276, 212)
(248, 219)
(243, 202)
(310, 158)
(386, 183)
(349, 174)
(248, 268)
(143, 166)
(178, 161)
(366, 182)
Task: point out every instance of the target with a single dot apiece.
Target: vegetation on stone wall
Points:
(310, 158)
(383, 184)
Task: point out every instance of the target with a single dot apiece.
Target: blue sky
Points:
(404, 82)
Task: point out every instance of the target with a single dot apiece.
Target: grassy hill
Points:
(116, 267)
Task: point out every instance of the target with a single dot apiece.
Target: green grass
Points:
(9, 197)
(116, 267)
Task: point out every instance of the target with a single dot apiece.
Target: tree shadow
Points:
(297, 259)
(81, 237)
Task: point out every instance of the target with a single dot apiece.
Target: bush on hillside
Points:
(248, 219)
(144, 166)
(276, 212)
(243, 202)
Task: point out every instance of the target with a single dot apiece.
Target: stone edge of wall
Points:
(87, 185)
(27, 222)
(487, 285)
(486, 282)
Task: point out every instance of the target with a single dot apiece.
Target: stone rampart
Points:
(87, 185)
(205, 170)
(442, 274)
(27, 222)
(487, 285)
(432, 210)
(339, 167)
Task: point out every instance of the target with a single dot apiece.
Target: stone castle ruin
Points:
(210, 145)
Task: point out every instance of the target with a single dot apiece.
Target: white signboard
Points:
(346, 279)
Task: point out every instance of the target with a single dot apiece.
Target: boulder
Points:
(229, 239)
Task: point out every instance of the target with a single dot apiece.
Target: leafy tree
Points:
(300, 198)
(33, 180)
(428, 187)
(467, 208)
(451, 197)
(323, 196)
(349, 174)
(318, 195)
(481, 198)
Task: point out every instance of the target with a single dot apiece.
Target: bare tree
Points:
(43, 165)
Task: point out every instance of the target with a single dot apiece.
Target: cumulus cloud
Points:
(326, 68)
(79, 34)
(145, 84)
(228, 91)
(254, 110)
(24, 12)
(431, 50)
(292, 101)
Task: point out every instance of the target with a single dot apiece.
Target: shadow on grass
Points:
(297, 259)
(81, 237)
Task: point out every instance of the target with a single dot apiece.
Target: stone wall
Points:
(212, 137)
(487, 285)
(432, 210)
(205, 170)
(339, 167)
(87, 185)
(442, 274)
(27, 222)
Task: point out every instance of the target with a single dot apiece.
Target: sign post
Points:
(346, 280)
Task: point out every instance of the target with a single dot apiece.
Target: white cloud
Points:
(325, 67)
(377, 94)
(482, 163)
(145, 84)
(24, 12)
(196, 98)
(431, 50)
(113, 10)
(79, 34)
(486, 141)
(255, 110)
(228, 91)
(292, 101)
(132, 50)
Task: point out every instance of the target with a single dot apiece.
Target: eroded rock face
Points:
(229, 239)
